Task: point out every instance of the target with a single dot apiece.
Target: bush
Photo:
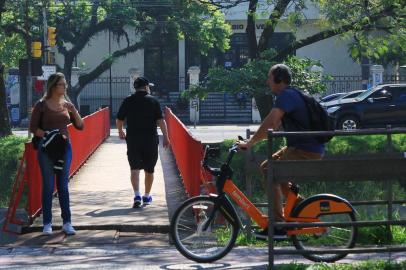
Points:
(11, 150)
(367, 265)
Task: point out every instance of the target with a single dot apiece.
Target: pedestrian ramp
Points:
(101, 194)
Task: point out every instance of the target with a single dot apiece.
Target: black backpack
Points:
(319, 119)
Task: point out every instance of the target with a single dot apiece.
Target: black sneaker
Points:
(279, 234)
(137, 202)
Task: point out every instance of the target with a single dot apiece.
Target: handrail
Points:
(277, 169)
(376, 131)
(188, 154)
(84, 143)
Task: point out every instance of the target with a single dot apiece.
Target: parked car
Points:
(347, 97)
(377, 107)
(331, 97)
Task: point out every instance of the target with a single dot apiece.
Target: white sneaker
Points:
(68, 229)
(47, 229)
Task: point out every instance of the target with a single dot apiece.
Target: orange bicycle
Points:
(205, 228)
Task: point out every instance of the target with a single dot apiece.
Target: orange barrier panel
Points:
(188, 154)
(84, 143)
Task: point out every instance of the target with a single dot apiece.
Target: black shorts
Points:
(142, 154)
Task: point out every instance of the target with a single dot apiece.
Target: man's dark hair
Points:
(281, 73)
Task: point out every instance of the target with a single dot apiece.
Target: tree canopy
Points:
(132, 23)
(336, 18)
(79, 21)
(376, 28)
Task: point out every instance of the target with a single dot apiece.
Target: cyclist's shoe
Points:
(279, 234)
(137, 202)
(146, 200)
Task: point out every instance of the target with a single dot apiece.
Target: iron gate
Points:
(97, 94)
(220, 107)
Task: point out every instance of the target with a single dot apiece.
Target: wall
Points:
(98, 49)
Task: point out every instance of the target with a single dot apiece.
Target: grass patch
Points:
(352, 191)
(11, 150)
(367, 265)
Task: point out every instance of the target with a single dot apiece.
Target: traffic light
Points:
(36, 49)
(51, 36)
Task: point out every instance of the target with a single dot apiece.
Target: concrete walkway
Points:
(102, 196)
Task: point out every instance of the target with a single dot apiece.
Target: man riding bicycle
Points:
(290, 111)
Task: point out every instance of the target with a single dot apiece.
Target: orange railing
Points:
(188, 154)
(84, 143)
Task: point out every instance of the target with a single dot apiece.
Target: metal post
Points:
(271, 205)
(389, 186)
(29, 78)
(110, 86)
(248, 182)
(195, 106)
(45, 25)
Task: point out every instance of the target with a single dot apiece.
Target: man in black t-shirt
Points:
(142, 113)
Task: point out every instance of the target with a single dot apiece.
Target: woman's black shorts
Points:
(142, 153)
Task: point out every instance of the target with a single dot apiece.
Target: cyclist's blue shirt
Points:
(296, 118)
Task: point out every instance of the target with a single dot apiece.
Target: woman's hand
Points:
(78, 121)
(39, 133)
(70, 107)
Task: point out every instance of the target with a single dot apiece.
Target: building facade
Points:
(166, 60)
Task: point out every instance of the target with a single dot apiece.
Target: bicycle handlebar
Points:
(216, 171)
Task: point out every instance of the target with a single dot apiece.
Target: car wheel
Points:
(348, 123)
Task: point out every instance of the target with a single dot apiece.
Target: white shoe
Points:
(68, 229)
(47, 229)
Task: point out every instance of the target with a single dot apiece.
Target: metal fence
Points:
(97, 94)
(385, 168)
(350, 83)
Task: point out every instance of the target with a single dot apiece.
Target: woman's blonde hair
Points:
(51, 84)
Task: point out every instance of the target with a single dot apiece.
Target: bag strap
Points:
(295, 121)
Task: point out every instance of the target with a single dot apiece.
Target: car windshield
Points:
(365, 94)
(352, 94)
(331, 97)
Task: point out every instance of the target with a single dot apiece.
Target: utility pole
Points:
(45, 32)
(29, 61)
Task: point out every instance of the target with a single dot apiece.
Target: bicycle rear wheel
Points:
(333, 238)
(190, 237)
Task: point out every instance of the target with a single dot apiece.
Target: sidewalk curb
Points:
(164, 229)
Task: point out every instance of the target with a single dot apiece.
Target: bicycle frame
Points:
(225, 185)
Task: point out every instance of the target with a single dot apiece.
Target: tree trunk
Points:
(5, 128)
(250, 31)
(264, 104)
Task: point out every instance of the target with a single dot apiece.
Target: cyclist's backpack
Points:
(320, 120)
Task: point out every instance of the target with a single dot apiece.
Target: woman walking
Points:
(50, 118)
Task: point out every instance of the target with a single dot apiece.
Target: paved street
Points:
(213, 133)
(205, 133)
(158, 256)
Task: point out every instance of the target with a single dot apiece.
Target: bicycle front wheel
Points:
(197, 240)
(333, 238)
